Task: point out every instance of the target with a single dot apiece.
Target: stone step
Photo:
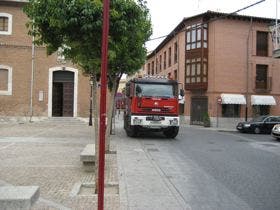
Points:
(65, 120)
(18, 197)
(87, 156)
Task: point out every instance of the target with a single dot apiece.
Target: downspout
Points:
(247, 70)
(178, 57)
(32, 79)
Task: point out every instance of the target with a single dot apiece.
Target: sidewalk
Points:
(47, 154)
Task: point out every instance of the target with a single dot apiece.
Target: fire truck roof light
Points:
(155, 76)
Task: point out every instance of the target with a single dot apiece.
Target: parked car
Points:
(275, 132)
(261, 124)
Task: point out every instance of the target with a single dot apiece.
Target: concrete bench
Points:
(87, 156)
(18, 197)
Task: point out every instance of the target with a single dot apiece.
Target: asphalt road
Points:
(219, 170)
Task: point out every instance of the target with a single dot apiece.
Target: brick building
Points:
(32, 83)
(225, 64)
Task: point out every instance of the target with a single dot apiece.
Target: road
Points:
(218, 170)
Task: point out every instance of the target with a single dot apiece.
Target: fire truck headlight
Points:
(137, 121)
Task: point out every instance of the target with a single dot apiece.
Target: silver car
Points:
(275, 132)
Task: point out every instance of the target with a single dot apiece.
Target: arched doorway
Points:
(62, 100)
(63, 94)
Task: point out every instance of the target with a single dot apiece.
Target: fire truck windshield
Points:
(155, 90)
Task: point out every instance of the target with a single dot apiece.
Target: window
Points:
(230, 110)
(175, 75)
(261, 77)
(164, 60)
(169, 75)
(175, 52)
(259, 110)
(156, 66)
(160, 60)
(5, 24)
(195, 71)
(194, 36)
(5, 80)
(262, 43)
(205, 34)
(169, 56)
(149, 68)
(153, 67)
(155, 90)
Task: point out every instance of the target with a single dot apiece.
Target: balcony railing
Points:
(196, 86)
(263, 86)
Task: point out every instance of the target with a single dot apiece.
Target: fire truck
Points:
(151, 104)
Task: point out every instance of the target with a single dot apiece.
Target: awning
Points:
(262, 100)
(233, 99)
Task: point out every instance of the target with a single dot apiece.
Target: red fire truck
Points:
(151, 104)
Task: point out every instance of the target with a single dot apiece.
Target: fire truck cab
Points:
(151, 104)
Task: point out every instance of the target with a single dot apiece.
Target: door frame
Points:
(60, 68)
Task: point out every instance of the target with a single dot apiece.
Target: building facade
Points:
(33, 84)
(225, 64)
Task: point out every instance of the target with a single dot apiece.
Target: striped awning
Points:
(262, 100)
(233, 99)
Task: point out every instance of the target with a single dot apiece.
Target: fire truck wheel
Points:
(131, 131)
(171, 132)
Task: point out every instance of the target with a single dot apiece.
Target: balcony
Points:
(196, 86)
(263, 86)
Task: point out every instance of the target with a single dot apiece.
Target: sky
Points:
(167, 14)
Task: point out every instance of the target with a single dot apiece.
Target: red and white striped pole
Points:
(102, 116)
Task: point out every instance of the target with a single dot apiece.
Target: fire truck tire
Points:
(172, 132)
(131, 131)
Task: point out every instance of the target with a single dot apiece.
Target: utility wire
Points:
(223, 16)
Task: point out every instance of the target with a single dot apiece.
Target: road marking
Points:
(5, 147)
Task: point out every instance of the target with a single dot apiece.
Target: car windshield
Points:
(259, 119)
(155, 90)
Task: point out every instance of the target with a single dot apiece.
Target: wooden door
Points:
(57, 102)
(68, 99)
(199, 107)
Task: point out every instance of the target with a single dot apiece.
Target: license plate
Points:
(156, 110)
(155, 122)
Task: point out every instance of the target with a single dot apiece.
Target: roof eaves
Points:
(209, 15)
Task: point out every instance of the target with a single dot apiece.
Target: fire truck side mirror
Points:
(182, 93)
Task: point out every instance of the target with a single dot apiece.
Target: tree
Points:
(130, 28)
(76, 26)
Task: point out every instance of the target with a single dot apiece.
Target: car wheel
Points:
(257, 130)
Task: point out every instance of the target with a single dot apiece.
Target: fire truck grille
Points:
(155, 110)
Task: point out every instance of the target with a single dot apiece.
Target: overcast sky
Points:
(167, 14)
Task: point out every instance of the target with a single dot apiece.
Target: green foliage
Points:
(77, 24)
(206, 119)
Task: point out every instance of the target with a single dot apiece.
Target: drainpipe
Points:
(32, 80)
(247, 70)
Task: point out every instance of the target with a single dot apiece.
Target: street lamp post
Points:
(102, 114)
(90, 102)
